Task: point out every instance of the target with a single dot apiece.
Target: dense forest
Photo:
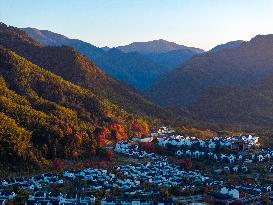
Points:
(44, 117)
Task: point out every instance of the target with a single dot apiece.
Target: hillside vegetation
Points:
(246, 107)
(78, 69)
(240, 66)
(55, 103)
(55, 116)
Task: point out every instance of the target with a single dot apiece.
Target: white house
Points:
(234, 193)
(179, 153)
(260, 158)
(212, 145)
(231, 158)
(196, 154)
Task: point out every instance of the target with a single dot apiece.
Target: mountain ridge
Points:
(230, 44)
(133, 68)
(129, 68)
(155, 46)
(78, 69)
(239, 66)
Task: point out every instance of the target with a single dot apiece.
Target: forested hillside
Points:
(44, 116)
(55, 103)
(239, 66)
(78, 69)
(246, 107)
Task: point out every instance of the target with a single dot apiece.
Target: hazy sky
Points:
(199, 23)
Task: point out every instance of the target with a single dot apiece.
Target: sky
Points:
(199, 23)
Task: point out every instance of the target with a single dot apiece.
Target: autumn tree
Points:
(14, 140)
(57, 164)
(109, 155)
(117, 132)
(139, 127)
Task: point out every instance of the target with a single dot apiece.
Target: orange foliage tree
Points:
(139, 127)
(103, 135)
(117, 132)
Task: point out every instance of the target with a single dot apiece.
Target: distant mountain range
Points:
(165, 53)
(76, 68)
(250, 107)
(134, 68)
(156, 46)
(239, 66)
(232, 84)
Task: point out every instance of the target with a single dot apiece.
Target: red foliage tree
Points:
(102, 140)
(109, 155)
(103, 134)
(57, 164)
(69, 131)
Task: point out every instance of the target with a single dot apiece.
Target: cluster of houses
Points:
(246, 193)
(134, 201)
(32, 183)
(36, 186)
(263, 156)
(154, 134)
(235, 151)
(160, 173)
(128, 149)
(140, 183)
(242, 142)
(162, 131)
(42, 197)
(128, 178)
(234, 192)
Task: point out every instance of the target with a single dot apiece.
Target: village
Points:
(169, 169)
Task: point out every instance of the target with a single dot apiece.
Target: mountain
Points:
(55, 103)
(164, 53)
(171, 59)
(245, 107)
(155, 46)
(43, 115)
(76, 68)
(46, 37)
(132, 68)
(231, 44)
(240, 66)
(135, 67)
(49, 38)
